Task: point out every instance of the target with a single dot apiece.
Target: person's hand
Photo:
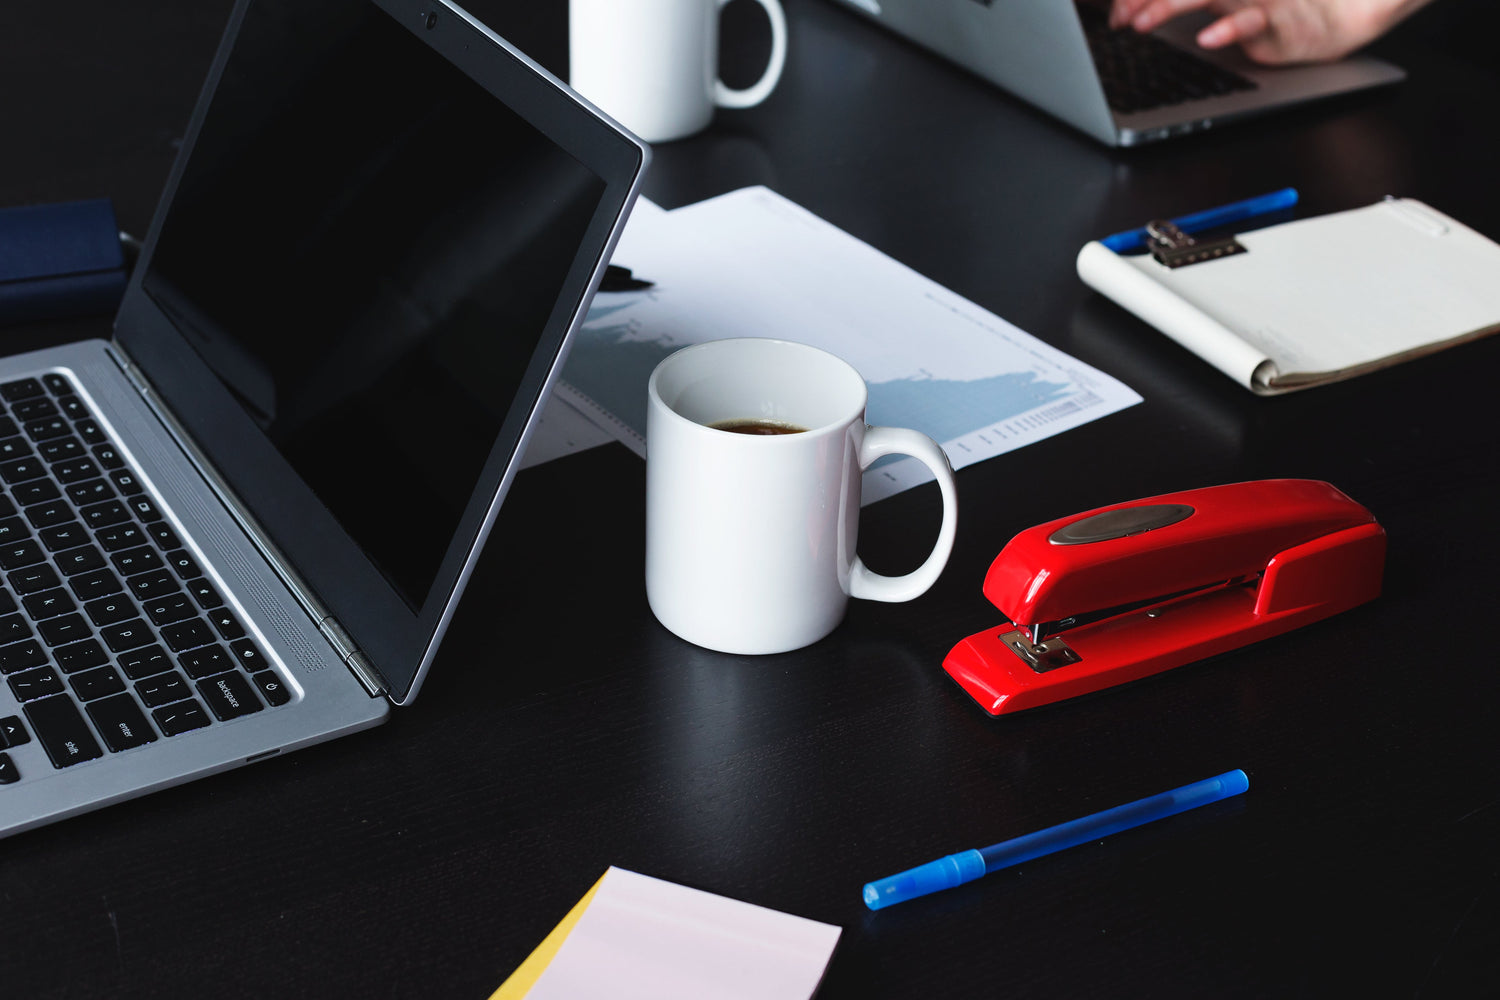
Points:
(1275, 31)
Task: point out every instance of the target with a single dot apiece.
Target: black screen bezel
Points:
(397, 641)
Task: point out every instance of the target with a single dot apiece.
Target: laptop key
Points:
(21, 389)
(30, 579)
(80, 655)
(184, 564)
(41, 430)
(47, 515)
(181, 717)
(22, 469)
(35, 491)
(145, 509)
(57, 384)
(21, 655)
(13, 732)
(126, 482)
(9, 773)
(90, 432)
(271, 687)
(73, 408)
(173, 608)
(14, 628)
(186, 635)
(39, 683)
(229, 695)
(90, 491)
(145, 662)
(80, 560)
(108, 456)
(226, 624)
(99, 583)
(127, 635)
(18, 554)
(66, 629)
(163, 689)
(61, 449)
(36, 408)
(163, 536)
(13, 447)
(158, 583)
(49, 603)
(97, 683)
(204, 593)
(123, 536)
(63, 536)
(121, 723)
(205, 662)
(60, 728)
(103, 515)
(109, 610)
(137, 560)
(245, 653)
(13, 529)
(7, 603)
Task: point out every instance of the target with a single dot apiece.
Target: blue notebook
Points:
(60, 260)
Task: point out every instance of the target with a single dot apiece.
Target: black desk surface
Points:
(427, 857)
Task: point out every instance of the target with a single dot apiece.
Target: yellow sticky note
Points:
(524, 978)
(633, 937)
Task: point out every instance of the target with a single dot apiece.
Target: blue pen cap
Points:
(944, 873)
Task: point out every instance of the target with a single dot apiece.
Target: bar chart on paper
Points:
(750, 264)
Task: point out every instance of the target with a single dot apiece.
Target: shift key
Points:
(60, 728)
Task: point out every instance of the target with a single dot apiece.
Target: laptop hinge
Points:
(358, 664)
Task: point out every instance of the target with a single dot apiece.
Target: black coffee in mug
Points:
(756, 425)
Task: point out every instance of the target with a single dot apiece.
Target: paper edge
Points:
(1106, 272)
(520, 982)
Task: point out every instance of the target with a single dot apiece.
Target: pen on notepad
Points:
(966, 866)
(1197, 222)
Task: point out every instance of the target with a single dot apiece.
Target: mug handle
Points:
(724, 97)
(881, 441)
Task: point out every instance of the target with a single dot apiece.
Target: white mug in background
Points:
(750, 537)
(652, 65)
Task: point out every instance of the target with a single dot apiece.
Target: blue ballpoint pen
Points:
(1197, 222)
(966, 866)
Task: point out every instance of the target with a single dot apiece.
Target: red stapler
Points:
(1122, 592)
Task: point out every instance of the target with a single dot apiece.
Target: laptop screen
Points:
(367, 263)
(376, 258)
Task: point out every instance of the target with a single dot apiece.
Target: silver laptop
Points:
(242, 525)
(1121, 88)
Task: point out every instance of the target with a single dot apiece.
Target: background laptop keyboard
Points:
(111, 636)
(1141, 72)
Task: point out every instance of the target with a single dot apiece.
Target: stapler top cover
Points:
(1142, 550)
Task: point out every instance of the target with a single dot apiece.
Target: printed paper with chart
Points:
(752, 264)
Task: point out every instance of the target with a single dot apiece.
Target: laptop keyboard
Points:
(111, 636)
(1142, 72)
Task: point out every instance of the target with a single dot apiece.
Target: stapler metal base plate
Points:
(1049, 655)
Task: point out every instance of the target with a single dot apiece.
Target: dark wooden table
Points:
(428, 857)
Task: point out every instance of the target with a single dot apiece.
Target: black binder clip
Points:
(1175, 248)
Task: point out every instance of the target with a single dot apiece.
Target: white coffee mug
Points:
(652, 65)
(750, 538)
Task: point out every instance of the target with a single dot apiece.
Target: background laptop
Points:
(243, 524)
(1121, 88)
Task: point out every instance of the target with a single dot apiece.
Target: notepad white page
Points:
(643, 938)
(1319, 296)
